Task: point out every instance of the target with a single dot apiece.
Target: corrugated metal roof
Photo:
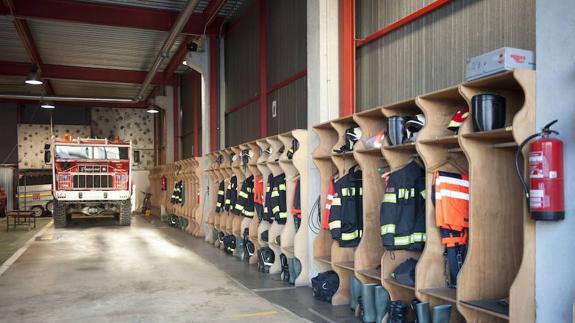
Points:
(11, 49)
(174, 5)
(98, 46)
(16, 85)
(231, 8)
(96, 89)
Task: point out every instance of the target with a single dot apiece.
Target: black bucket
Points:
(396, 130)
(488, 111)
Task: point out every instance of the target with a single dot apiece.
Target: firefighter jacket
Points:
(450, 195)
(231, 194)
(267, 212)
(402, 213)
(221, 197)
(259, 196)
(278, 199)
(328, 202)
(245, 204)
(296, 204)
(178, 193)
(346, 212)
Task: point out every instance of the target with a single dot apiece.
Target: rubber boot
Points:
(422, 312)
(368, 302)
(441, 313)
(397, 312)
(382, 300)
(296, 270)
(355, 292)
(290, 261)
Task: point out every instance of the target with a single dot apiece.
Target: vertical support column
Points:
(263, 70)
(347, 57)
(197, 93)
(213, 93)
(176, 118)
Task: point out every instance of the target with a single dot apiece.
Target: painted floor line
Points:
(325, 318)
(6, 265)
(272, 289)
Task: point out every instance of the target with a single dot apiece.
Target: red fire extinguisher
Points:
(545, 191)
(164, 183)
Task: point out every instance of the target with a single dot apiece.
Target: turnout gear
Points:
(382, 300)
(178, 193)
(245, 203)
(267, 214)
(355, 289)
(231, 194)
(402, 213)
(278, 199)
(296, 204)
(450, 194)
(221, 197)
(328, 203)
(405, 272)
(442, 313)
(422, 312)
(325, 285)
(346, 212)
(266, 259)
(458, 119)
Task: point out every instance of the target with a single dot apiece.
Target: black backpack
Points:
(324, 285)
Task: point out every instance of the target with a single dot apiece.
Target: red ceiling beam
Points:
(30, 46)
(108, 15)
(402, 22)
(178, 57)
(84, 73)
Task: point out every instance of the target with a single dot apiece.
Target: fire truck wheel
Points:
(38, 211)
(125, 213)
(59, 215)
(50, 206)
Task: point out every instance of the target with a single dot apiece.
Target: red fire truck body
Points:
(91, 177)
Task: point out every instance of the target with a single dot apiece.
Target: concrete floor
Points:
(95, 272)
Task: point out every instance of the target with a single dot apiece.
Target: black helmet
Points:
(405, 272)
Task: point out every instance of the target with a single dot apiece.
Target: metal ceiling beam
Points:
(51, 71)
(29, 45)
(107, 15)
(178, 57)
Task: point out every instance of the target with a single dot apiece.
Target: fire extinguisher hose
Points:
(518, 168)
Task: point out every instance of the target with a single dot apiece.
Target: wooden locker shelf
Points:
(443, 293)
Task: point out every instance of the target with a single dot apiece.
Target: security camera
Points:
(196, 45)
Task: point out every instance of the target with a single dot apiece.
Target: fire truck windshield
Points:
(91, 152)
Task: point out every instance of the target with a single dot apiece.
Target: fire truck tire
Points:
(125, 216)
(59, 215)
(38, 210)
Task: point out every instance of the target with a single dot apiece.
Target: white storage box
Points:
(499, 60)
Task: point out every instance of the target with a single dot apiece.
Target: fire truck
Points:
(91, 177)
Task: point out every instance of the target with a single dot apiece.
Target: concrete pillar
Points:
(322, 84)
(555, 281)
(167, 104)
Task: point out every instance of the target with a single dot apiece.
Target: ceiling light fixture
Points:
(48, 105)
(33, 78)
(153, 109)
(185, 62)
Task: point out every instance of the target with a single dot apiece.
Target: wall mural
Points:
(129, 124)
(33, 137)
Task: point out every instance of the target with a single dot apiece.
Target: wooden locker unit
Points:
(440, 150)
(237, 171)
(322, 159)
(275, 228)
(262, 166)
(255, 222)
(370, 250)
(500, 258)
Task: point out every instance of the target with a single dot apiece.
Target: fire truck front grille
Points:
(92, 181)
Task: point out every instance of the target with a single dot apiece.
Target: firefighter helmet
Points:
(458, 118)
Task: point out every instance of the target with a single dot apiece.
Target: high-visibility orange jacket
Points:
(451, 197)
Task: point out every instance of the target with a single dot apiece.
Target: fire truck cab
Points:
(91, 177)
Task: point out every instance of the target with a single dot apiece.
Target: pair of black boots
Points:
(439, 314)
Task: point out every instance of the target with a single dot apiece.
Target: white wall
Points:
(555, 261)
(140, 183)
